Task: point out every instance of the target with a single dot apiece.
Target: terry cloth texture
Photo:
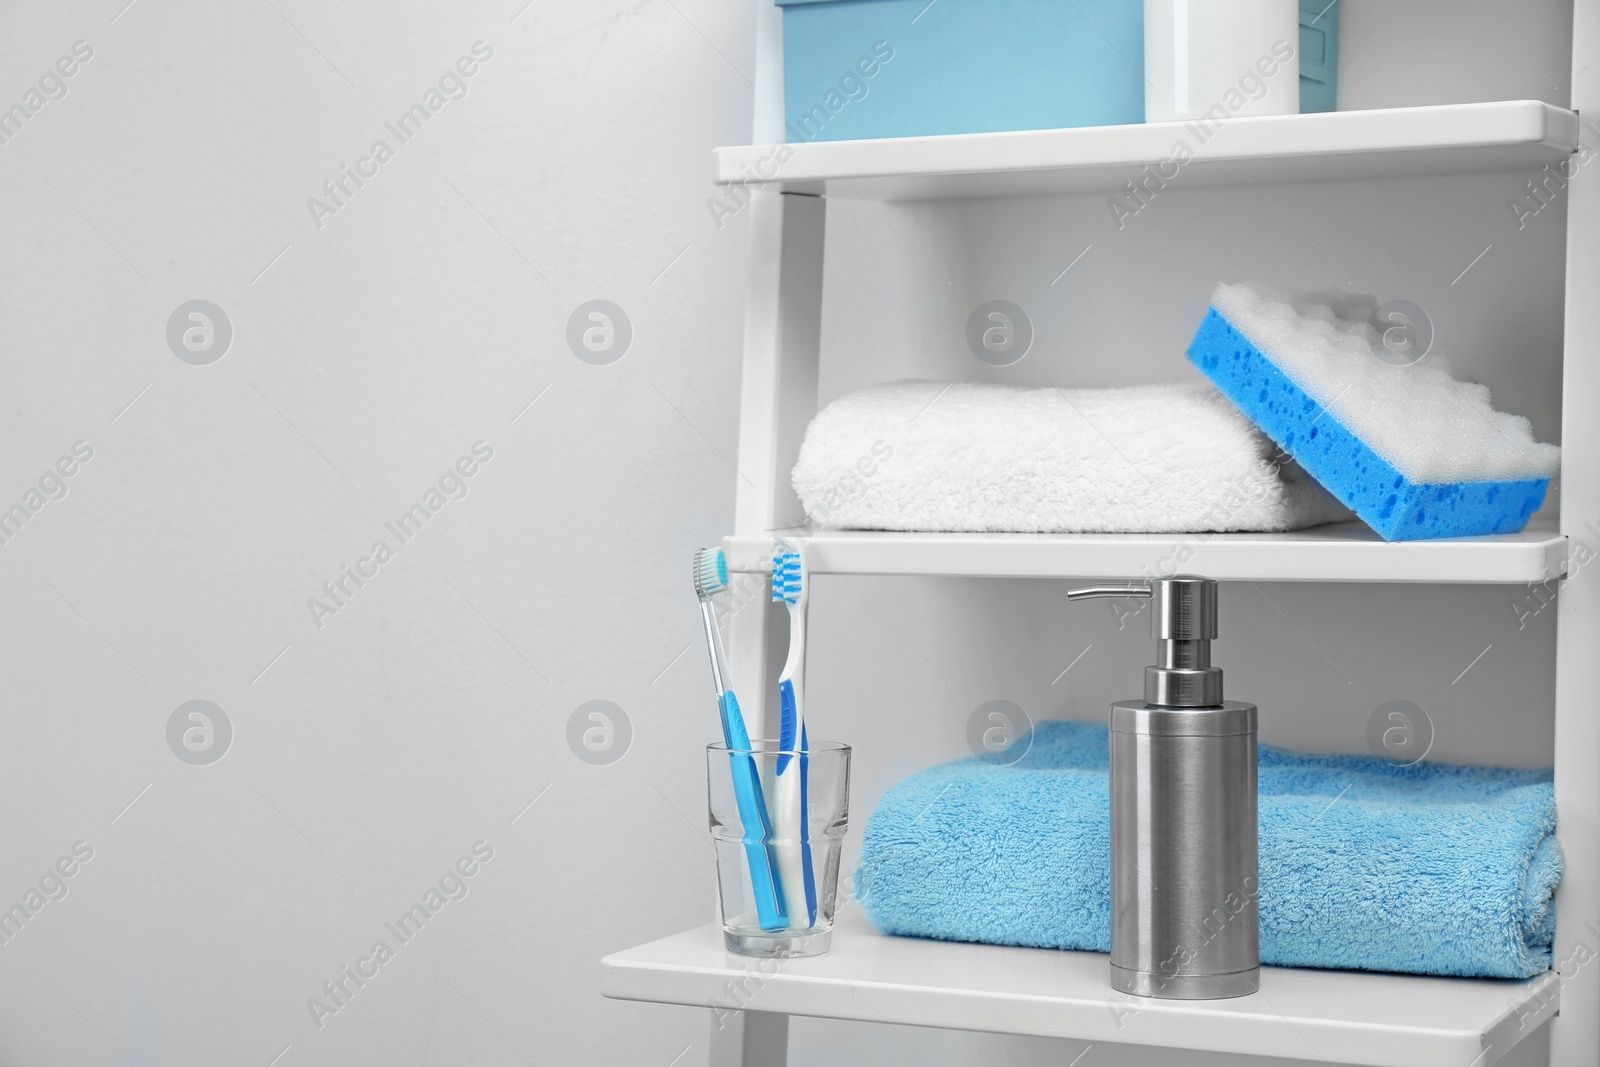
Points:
(934, 456)
(1428, 869)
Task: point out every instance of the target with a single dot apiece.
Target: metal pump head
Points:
(1184, 623)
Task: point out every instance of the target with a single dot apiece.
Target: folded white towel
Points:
(961, 456)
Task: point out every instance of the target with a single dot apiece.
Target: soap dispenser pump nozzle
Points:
(1184, 623)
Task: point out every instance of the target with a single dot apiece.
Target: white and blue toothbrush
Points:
(789, 581)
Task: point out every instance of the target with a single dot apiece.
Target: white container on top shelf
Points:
(1240, 54)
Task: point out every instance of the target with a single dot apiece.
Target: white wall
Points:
(372, 352)
(370, 356)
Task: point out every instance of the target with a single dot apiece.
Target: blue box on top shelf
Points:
(904, 68)
(1319, 55)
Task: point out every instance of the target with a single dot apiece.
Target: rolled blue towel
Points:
(1428, 869)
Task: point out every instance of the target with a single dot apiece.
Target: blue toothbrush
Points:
(793, 836)
(711, 577)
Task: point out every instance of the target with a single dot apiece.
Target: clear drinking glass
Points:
(771, 809)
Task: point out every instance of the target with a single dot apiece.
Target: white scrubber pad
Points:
(1429, 426)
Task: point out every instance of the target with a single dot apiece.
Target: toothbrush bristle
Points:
(710, 571)
(787, 577)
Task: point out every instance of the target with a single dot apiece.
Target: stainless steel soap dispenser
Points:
(1184, 875)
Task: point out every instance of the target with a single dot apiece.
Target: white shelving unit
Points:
(1402, 142)
(1323, 1016)
(1384, 1020)
(1342, 552)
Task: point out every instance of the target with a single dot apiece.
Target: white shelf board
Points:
(1327, 1016)
(1395, 142)
(1341, 552)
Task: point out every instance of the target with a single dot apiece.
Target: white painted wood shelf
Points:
(1341, 552)
(1397, 142)
(1301, 1014)
(1384, 1020)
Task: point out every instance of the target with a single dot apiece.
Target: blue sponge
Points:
(1418, 421)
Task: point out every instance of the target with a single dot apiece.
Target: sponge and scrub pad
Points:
(1412, 451)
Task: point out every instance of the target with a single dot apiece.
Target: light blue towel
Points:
(1429, 869)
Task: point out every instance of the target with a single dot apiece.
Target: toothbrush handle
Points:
(789, 714)
(734, 734)
(760, 854)
(792, 736)
(805, 828)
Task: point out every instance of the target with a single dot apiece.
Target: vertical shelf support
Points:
(1575, 1034)
(783, 328)
(778, 397)
(749, 1039)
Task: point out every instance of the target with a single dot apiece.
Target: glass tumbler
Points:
(778, 819)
